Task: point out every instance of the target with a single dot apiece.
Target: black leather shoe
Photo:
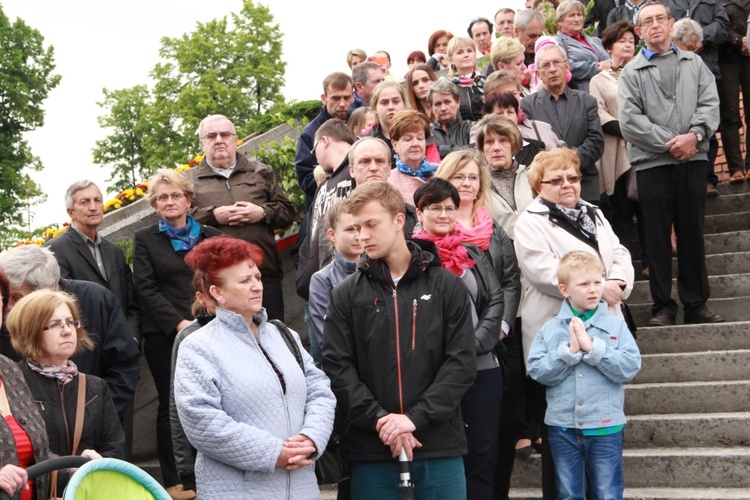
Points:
(660, 319)
(705, 316)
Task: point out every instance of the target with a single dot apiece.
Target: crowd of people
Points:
(465, 257)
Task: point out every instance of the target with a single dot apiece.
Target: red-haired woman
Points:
(437, 47)
(255, 418)
(418, 82)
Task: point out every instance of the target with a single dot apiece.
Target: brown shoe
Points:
(737, 178)
(660, 319)
(711, 192)
(178, 493)
(705, 316)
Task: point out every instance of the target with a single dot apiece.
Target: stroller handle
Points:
(48, 466)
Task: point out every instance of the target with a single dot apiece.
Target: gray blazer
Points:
(581, 131)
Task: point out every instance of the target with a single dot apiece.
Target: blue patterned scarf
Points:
(184, 238)
(425, 171)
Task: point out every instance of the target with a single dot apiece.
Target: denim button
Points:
(580, 375)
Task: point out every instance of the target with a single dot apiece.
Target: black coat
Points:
(163, 281)
(429, 314)
(102, 431)
(76, 262)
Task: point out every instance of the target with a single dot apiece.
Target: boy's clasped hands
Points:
(579, 338)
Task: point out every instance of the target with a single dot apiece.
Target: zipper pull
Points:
(394, 294)
(229, 188)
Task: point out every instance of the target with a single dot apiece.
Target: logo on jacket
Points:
(426, 296)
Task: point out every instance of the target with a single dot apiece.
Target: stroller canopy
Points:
(112, 479)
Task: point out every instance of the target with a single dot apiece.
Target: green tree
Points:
(123, 151)
(233, 69)
(26, 78)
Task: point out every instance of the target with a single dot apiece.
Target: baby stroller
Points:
(103, 479)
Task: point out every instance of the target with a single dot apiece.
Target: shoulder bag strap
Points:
(290, 342)
(80, 411)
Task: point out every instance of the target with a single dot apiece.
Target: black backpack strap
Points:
(291, 343)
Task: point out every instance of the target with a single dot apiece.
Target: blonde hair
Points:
(456, 43)
(577, 260)
(456, 161)
(172, 178)
(382, 192)
(504, 50)
(29, 317)
(566, 7)
(555, 159)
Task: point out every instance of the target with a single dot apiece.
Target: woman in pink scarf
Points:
(437, 203)
(468, 171)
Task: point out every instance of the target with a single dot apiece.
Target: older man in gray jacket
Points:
(669, 107)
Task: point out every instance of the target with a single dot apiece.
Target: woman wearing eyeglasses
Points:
(45, 329)
(164, 285)
(437, 204)
(556, 222)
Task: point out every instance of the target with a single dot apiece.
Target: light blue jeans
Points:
(579, 458)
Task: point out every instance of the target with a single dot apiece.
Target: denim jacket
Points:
(584, 390)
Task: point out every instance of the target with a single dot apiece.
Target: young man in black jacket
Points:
(400, 352)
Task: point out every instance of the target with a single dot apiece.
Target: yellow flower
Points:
(139, 192)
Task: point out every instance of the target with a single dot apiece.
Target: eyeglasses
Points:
(547, 65)
(450, 210)
(211, 136)
(56, 326)
(315, 144)
(651, 20)
(573, 179)
(174, 196)
(460, 178)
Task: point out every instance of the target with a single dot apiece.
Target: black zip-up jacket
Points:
(420, 329)
(102, 431)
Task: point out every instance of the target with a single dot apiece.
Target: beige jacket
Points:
(540, 244)
(614, 161)
(502, 212)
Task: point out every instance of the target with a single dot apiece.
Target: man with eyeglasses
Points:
(84, 255)
(573, 115)
(241, 197)
(669, 107)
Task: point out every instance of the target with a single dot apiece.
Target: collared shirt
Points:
(648, 54)
(95, 248)
(224, 172)
(561, 106)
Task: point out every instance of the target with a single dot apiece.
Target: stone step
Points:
(694, 367)
(716, 264)
(724, 396)
(726, 188)
(732, 308)
(653, 494)
(688, 429)
(664, 468)
(727, 204)
(723, 223)
(693, 338)
(716, 243)
(722, 286)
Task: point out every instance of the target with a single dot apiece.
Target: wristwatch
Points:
(698, 135)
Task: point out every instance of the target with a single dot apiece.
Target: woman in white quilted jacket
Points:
(256, 418)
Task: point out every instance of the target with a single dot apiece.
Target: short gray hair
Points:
(443, 86)
(361, 72)
(566, 7)
(211, 118)
(545, 48)
(74, 188)
(30, 265)
(685, 29)
(524, 18)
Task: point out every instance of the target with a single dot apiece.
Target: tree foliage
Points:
(26, 79)
(123, 151)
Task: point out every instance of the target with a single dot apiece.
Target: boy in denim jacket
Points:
(583, 356)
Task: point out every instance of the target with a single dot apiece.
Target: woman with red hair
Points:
(437, 47)
(255, 417)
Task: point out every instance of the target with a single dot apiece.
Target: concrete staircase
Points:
(688, 435)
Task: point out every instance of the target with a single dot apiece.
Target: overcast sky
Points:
(100, 44)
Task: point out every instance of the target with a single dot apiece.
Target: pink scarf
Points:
(482, 232)
(453, 255)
